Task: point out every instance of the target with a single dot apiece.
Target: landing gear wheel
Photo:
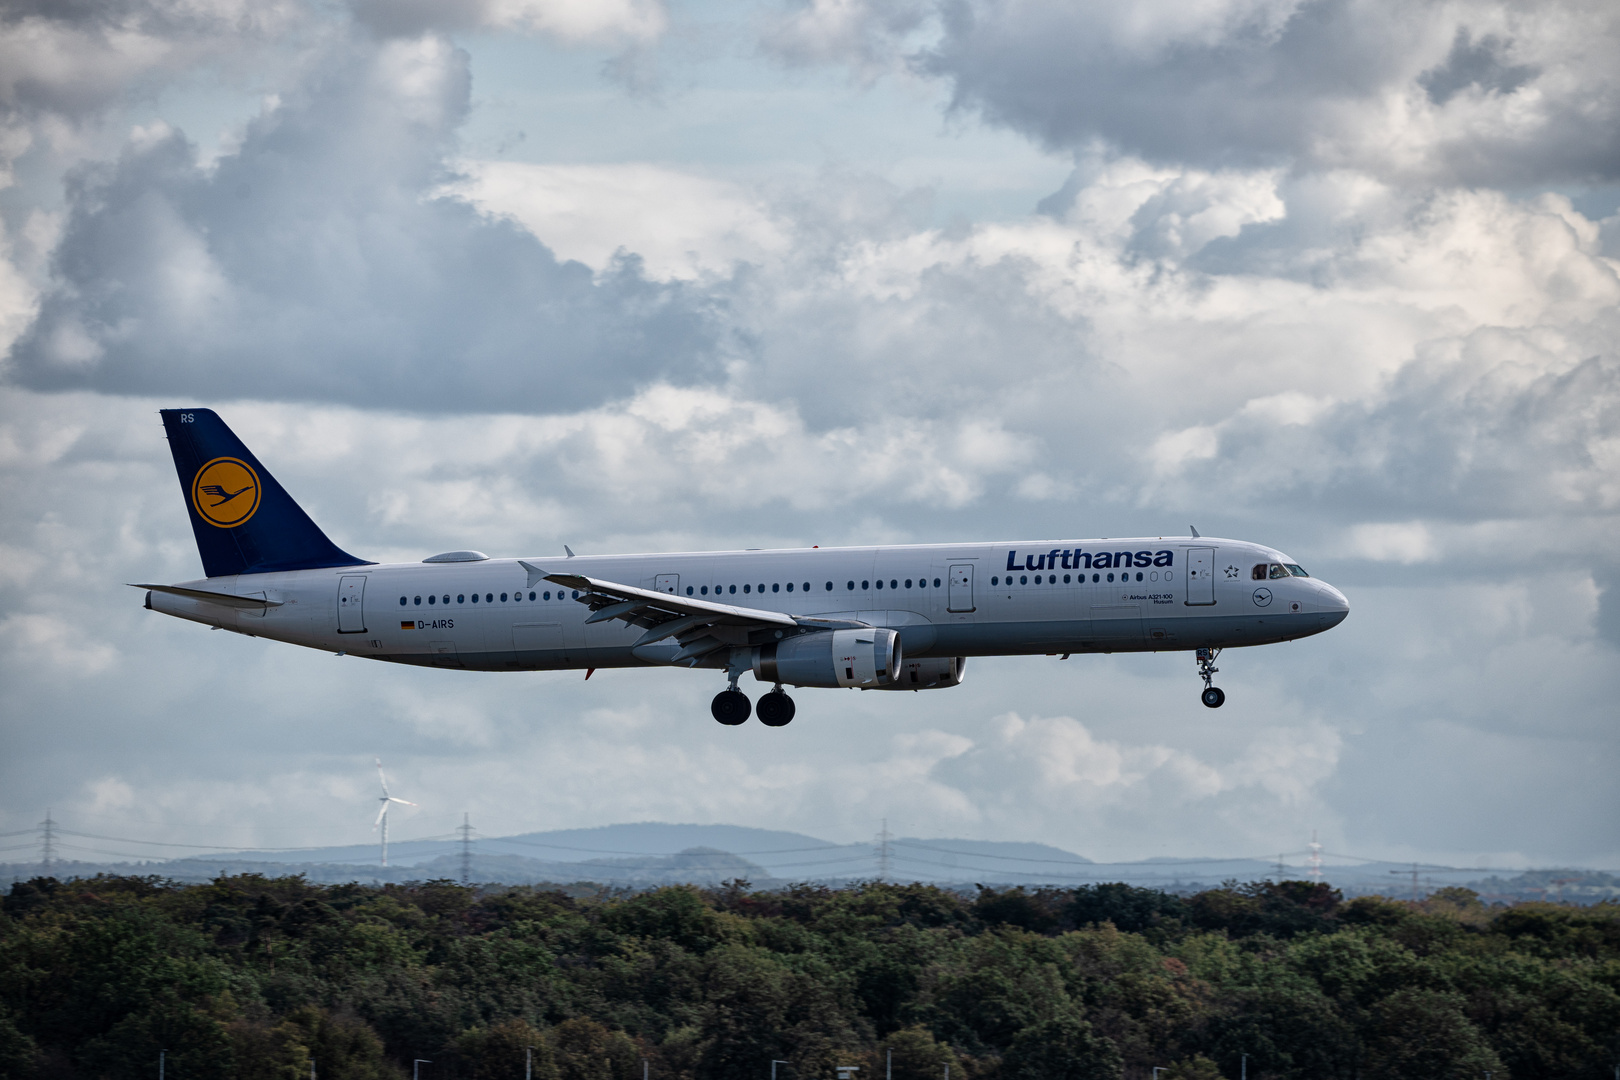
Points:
(1214, 697)
(730, 707)
(776, 709)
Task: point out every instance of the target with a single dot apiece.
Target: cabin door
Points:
(959, 597)
(351, 613)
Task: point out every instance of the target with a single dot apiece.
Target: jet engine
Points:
(868, 658)
(934, 673)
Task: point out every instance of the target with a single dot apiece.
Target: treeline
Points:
(259, 979)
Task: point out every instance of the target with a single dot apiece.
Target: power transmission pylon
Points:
(466, 850)
(47, 845)
(883, 852)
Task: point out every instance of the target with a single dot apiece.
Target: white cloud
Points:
(679, 225)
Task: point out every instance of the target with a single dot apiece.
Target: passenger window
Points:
(475, 598)
(734, 590)
(851, 586)
(1065, 579)
(531, 596)
(748, 588)
(1095, 577)
(489, 598)
(1139, 575)
(503, 598)
(546, 595)
(418, 601)
(402, 601)
(893, 584)
(1023, 579)
(1259, 572)
(1110, 577)
(936, 583)
(461, 598)
(790, 586)
(880, 583)
(807, 586)
(865, 585)
(829, 586)
(995, 580)
(908, 583)
(776, 587)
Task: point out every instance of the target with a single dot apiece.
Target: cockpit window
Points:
(1259, 572)
(1277, 571)
(1296, 570)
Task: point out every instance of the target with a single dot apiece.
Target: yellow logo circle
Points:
(225, 492)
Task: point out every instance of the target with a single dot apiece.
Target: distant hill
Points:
(654, 853)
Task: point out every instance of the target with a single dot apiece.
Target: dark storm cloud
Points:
(1324, 83)
(315, 262)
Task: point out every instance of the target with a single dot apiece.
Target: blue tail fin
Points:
(245, 522)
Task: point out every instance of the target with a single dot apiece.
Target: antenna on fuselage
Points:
(1194, 529)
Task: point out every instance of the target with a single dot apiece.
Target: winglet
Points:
(1194, 529)
(536, 575)
(569, 550)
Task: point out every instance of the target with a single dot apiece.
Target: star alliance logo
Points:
(1232, 571)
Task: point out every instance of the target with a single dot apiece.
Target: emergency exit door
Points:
(959, 596)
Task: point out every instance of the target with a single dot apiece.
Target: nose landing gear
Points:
(1213, 696)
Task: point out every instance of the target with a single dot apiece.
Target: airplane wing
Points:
(700, 626)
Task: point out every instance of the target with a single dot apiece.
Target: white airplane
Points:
(867, 618)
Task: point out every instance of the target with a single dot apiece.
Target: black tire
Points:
(1214, 697)
(776, 709)
(730, 707)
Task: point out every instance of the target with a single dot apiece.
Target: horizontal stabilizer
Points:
(222, 599)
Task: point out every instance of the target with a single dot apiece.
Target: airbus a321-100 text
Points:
(868, 618)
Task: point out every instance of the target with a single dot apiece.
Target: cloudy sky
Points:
(1342, 276)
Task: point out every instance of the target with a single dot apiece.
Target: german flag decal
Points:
(409, 625)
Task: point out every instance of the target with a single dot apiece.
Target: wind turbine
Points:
(382, 815)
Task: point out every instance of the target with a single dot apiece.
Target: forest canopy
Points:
(259, 978)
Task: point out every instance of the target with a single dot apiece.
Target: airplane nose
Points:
(1335, 607)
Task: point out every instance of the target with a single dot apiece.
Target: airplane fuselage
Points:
(944, 600)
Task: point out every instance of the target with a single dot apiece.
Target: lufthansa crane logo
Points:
(225, 492)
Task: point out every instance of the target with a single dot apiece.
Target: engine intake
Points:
(868, 658)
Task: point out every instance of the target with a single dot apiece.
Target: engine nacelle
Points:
(934, 673)
(868, 658)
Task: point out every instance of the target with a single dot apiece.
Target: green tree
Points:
(265, 1051)
(344, 1046)
(1062, 1049)
(586, 1050)
(1425, 1035)
(914, 1054)
(506, 1051)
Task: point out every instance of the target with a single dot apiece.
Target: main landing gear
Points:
(776, 709)
(1213, 696)
(731, 708)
